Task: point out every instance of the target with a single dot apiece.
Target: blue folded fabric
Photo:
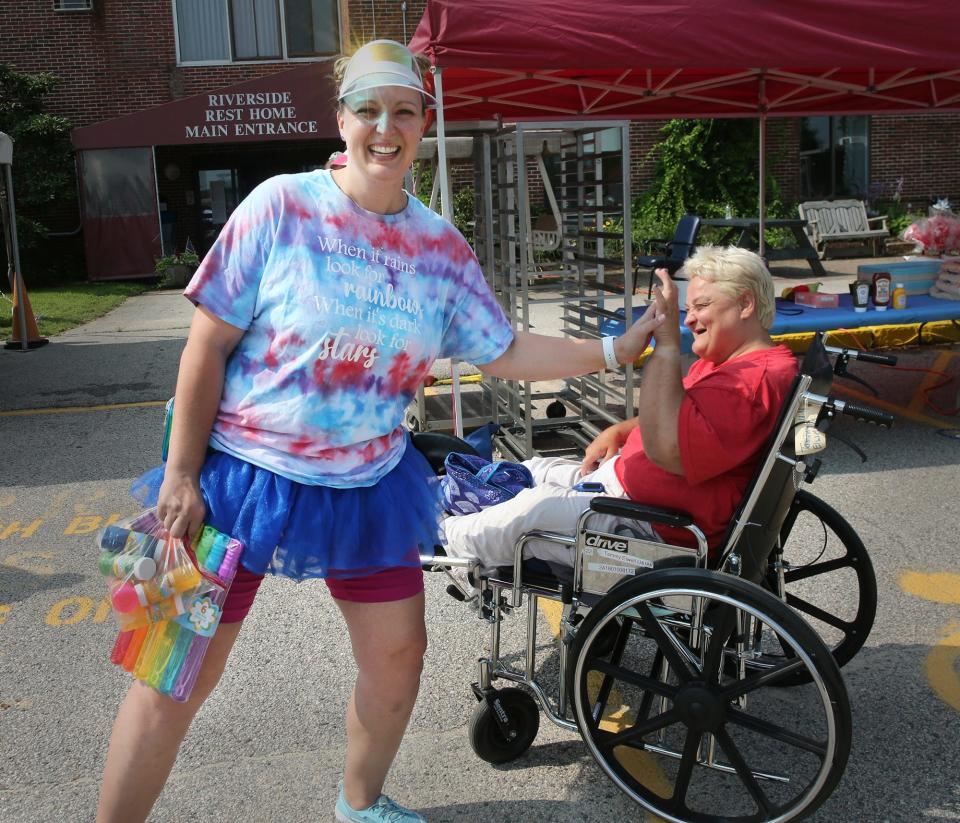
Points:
(472, 483)
(482, 440)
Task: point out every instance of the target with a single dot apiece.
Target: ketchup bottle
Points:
(881, 290)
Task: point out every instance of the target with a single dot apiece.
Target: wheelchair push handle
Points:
(865, 413)
(831, 406)
(865, 356)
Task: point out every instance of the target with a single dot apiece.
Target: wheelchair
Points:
(693, 677)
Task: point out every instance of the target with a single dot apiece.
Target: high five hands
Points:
(667, 302)
(632, 343)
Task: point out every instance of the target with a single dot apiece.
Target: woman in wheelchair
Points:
(696, 440)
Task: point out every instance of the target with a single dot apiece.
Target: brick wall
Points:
(114, 60)
(374, 19)
(923, 149)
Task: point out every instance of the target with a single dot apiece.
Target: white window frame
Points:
(58, 5)
(283, 40)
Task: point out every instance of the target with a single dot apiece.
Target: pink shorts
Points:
(382, 587)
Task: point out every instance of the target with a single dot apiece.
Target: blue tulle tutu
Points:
(302, 531)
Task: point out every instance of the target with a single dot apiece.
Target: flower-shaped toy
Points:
(203, 614)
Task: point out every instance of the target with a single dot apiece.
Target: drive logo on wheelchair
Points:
(599, 541)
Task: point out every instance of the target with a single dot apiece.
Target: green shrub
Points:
(705, 167)
(463, 198)
(43, 166)
(176, 269)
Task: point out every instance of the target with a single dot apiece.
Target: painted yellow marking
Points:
(941, 667)
(940, 587)
(22, 560)
(4, 612)
(553, 612)
(147, 404)
(82, 605)
(103, 611)
(87, 523)
(7, 500)
(880, 403)
(642, 765)
(920, 397)
(25, 531)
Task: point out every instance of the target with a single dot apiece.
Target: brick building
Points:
(182, 107)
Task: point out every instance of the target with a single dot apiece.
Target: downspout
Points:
(373, 15)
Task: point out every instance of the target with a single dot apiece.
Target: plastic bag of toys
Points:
(167, 596)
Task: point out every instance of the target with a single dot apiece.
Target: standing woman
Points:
(320, 309)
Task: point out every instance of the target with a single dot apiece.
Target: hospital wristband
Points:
(609, 356)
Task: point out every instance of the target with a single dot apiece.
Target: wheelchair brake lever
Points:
(853, 446)
(840, 370)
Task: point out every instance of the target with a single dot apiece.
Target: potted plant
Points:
(175, 269)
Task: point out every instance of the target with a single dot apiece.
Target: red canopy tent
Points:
(633, 59)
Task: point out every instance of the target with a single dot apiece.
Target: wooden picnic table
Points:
(745, 232)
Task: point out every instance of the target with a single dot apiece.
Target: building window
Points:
(834, 157)
(237, 30)
(72, 5)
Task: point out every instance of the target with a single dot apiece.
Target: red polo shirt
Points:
(726, 418)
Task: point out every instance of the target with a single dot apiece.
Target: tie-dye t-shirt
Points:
(344, 311)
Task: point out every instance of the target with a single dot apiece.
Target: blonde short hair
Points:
(735, 271)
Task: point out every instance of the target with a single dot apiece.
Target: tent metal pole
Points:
(445, 201)
(761, 245)
(14, 253)
(446, 204)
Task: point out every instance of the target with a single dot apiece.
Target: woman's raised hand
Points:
(667, 301)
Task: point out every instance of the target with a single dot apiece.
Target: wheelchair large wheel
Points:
(487, 736)
(828, 576)
(689, 736)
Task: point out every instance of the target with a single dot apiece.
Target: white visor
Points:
(383, 63)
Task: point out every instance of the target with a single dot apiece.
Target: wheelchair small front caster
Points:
(504, 725)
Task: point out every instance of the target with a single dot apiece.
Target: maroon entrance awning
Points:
(295, 104)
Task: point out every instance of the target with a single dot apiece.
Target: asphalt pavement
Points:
(81, 417)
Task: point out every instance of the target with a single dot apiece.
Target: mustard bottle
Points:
(899, 297)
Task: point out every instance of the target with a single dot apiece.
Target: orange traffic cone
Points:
(33, 338)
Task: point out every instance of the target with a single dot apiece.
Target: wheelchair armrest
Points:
(619, 507)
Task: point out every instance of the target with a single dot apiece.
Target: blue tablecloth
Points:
(791, 318)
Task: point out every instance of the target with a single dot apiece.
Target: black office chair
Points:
(673, 252)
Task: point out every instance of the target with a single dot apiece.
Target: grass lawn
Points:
(58, 308)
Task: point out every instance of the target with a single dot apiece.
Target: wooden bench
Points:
(841, 221)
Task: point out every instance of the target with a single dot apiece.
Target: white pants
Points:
(552, 505)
